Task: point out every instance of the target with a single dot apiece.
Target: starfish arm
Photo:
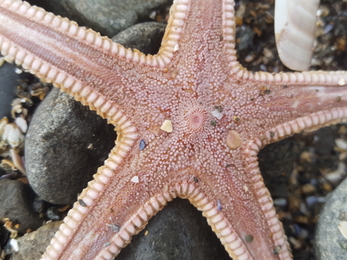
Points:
(301, 107)
(77, 60)
(100, 225)
(247, 224)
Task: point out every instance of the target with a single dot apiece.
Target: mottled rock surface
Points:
(329, 242)
(16, 199)
(65, 144)
(32, 245)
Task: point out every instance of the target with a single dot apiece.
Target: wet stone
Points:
(108, 19)
(144, 36)
(276, 164)
(9, 80)
(64, 146)
(52, 213)
(329, 242)
(16, 200)
(179, 231)
(32, 245)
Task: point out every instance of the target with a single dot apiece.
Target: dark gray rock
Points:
(107, 17)
(329, 242)
(276, 164)
(32, 245)
(179, 231)
(144, 36)
(16, 200)
(9, 81)
(59, 160)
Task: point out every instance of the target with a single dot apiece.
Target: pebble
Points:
(308, 188)
(144, 36)
(281, 202)
(328, 239)
(59, 162)
(106, 18)
(179, 231)
(16, 199)
(52, 213)
(32, 245)
(9, 81)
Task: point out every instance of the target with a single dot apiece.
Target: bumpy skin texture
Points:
(221, 115)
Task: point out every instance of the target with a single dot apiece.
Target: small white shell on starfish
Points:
(233, 139)
(166, 126)
(135, 179)
(294, 36)
(218, 114)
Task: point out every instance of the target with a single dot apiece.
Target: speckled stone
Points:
(276, 164)
(16, 199)
(32, 245)
(144, 36)
(107, 17)
(179, 231)
(8, 84)
(329, 242)
(64, 146)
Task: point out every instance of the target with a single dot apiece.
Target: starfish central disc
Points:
(196, 120)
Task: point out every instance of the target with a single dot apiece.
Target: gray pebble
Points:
(179, 231)
(144, 36)
(16, 200)
(9, 81)
(32, 245)
(65, 144)
(107, 17)
(329, 242)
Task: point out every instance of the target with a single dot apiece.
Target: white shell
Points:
(3, 123)
(135, 179)
(2, 61)
(295, 22)
(14, 245)
(166, 126)
(216, 113)
(17, 161)
(343, 228)
(22, 124)
(13, 135)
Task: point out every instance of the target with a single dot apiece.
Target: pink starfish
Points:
(190, 122)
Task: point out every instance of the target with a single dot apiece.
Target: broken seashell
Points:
(22, 124)
(3, 123)
(135, 179)
(343, 228)
(295, 37)
(13, 135)
(166, 126)
(17, 161)
(217, 113)
(2, 61)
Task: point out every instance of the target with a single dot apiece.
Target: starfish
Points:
(190, 122)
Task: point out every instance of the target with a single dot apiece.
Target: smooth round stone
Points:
(179, 231)
(329, 242)
(33, 244)
(16, 200)
(65, 144)
(106, 17)
(276, 164)
(144, 36)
